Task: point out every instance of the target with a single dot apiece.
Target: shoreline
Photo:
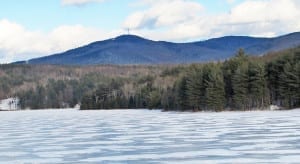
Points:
(161, 110)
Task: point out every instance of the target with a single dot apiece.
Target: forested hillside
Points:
(240, 83)
(49, 86)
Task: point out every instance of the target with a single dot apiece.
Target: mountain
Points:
(130, 49)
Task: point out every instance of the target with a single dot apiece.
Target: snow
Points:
(142, 136)
(274, 107)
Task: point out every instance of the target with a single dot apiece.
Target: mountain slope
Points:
(130, 49)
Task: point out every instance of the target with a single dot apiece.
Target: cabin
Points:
(10, 104)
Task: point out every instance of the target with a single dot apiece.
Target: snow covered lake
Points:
(144, 136)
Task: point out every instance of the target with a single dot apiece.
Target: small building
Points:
(10, 104)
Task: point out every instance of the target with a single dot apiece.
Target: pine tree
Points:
(182, 96)
(289, 85)
(258, 91)
(229, 68)
(195, 87)
(154, 99)
(215, 92)
(240, 88)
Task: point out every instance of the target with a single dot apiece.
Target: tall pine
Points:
(258, 91)
(215, 92)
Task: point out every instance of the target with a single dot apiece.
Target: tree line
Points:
(240, 83)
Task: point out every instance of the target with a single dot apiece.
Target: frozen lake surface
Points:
(143, 136)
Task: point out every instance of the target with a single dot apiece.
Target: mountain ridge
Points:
(132, 49)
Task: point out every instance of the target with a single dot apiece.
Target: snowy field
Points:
(143, 136)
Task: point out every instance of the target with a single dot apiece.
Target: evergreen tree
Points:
(132, 103)
(258, 91)
(182, 95)
(283, 75)
(240, 88)
(154, 99)
(215, 92)
(289, 85)
(195, 88)
(229, 68)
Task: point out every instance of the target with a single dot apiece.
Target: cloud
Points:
(181, 20)
(230, 1)
(15, 39)
(258, 17)
(163, 13)
(79, 2)
(18, 43)
(264, 11)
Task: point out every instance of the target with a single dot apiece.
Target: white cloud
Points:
(264, 11)
(163, 13)
(187, 20)
(261, 17)
(79, 2)
(230, 1)
(18, 43)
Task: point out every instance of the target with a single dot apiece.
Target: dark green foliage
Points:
(182, 94)
(154, 99)
(258, 91)
(202, 89)
(230, 68)
(284, 82)
(240, 88)
(214, 88)
(243, 83)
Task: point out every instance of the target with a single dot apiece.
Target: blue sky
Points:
(47, 14)
(33, 28)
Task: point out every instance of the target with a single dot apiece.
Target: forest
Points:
(243, 82)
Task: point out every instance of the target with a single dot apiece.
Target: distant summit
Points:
(131, 49)
(130, 38)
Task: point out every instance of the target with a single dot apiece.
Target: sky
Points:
(34, 28)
